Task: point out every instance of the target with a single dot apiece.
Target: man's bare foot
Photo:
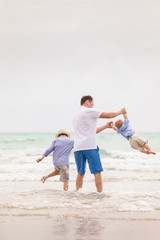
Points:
(43, 179)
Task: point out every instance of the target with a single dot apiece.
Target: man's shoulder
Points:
(92, 112)
(86, 109)
(85, 112)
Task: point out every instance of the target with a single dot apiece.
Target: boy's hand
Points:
(125, 114)
(123, 111)
(111, 124)
(39, 159)
(108, 125)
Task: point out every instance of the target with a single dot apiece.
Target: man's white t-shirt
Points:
(85, 124)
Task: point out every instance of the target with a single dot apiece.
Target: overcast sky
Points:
(53, 52)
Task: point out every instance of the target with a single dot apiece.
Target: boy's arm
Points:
(47, 152)
(40, 159)
(100, 129)
(125, 116)
(113, 126)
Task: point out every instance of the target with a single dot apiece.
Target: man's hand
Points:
(100, 129)
(113, 126)
(108, 125)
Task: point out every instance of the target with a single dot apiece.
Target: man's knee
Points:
(80, 176)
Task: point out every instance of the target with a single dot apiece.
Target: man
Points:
(85, 147)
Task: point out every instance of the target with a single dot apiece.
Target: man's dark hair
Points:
(85, 98)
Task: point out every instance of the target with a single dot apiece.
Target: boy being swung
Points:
(123, 128)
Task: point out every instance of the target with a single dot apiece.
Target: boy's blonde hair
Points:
(119, 123)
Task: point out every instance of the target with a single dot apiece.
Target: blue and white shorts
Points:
(93, 158)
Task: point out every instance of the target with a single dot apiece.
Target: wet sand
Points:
(114, 228)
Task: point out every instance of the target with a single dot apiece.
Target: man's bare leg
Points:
(79, 181)
(52, 174)
(98, 182)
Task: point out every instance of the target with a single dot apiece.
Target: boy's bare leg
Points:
(98, 181)
(144, 151)
(147, 147)
(148, 150)
(65, 186)
(79, 181)
(52, 174)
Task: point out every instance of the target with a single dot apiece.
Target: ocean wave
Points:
(132, 154)
(134, 169)
(20, 140)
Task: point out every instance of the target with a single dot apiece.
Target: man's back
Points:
(84, 123)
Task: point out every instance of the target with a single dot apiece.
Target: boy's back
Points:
(125, 130)
(61, 148)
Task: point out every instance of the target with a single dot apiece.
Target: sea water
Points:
(131, 180)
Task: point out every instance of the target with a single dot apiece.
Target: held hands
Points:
(112, 124)
(109, 125)
(123, 111)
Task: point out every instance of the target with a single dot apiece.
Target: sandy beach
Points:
(127, 209)
(116, 227)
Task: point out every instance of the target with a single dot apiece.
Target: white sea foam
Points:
(41, 202)
(131, 180)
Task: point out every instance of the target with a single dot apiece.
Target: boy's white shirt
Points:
(85, 123)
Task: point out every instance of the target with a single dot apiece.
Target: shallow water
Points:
(131, 180)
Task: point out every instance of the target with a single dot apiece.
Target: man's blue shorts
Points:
(93, 158)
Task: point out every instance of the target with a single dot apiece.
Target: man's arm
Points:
(112, 114)
(100, 129)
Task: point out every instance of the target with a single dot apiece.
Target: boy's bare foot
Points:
(152, 153)
(65, 186)
(148, 152)
(43, 179)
